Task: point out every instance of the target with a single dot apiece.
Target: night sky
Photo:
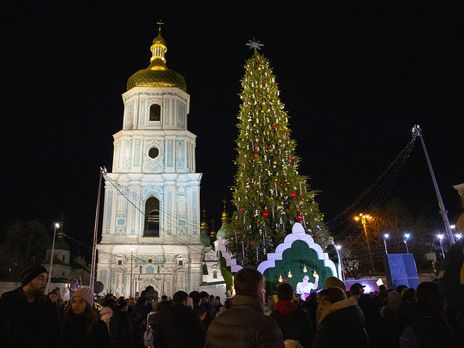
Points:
(354, 78)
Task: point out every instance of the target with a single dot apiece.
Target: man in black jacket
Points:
(27, 317)
(178, 326)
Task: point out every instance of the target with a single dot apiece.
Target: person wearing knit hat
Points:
(81, 325)
(28, 301)
(30, 272)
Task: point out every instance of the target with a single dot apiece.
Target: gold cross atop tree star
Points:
(254, 44)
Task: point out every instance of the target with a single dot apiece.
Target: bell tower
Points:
(151, 217)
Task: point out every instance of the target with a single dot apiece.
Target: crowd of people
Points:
(332, 317)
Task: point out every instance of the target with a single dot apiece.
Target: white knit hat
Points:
(86, 293)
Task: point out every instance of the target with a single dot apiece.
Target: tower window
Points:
(119, 263)
(214, 274)
(181, 263)
(152, 218)
(153, 152)
(155, 112)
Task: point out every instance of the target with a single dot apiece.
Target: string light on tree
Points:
(268, 188)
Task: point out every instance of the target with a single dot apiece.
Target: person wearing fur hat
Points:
(27, 318)
(81, 326)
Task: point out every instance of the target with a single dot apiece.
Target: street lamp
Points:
(405, 240)
(457, 235)
(385, 237)
(55, 227)
(131, 273)
(338, 247)
(440, 238)
(364, 218)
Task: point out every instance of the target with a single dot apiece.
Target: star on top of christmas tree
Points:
(254, 44)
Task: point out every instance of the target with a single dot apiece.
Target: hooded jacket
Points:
(341, 325)
(293, 322)
(244, 325)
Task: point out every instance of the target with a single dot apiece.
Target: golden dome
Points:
(157, 74)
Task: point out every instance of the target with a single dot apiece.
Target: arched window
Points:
(214, 274)
(155, 112)
(151, 218)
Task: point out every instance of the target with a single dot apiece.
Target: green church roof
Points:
(204, 238)
(60, 244)
(224, 231)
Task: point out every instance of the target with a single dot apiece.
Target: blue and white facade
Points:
(151, 218)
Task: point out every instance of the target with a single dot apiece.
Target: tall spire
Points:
(158, 48)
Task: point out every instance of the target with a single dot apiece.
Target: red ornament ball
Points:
(253, 243)
(299, 217)
(274, 126)
(293, 194)
(265, 214)
(256, 154)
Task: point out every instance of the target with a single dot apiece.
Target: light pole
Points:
(338, 247)
(131, 273)
(417, 131)
(385, 237)
(440, 238)
(364, 218)
(55, 227)
(405, 240)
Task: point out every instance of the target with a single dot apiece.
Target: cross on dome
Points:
(159, 23)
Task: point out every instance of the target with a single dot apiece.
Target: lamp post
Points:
(440, 238)
(385, 237)
(338, 247)
(55, 227)
(417, 131)
(364, 218)
(131, 273)
(405, 240)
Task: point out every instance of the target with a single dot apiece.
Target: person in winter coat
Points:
(408, 307)
(27, 317)
(371, 313)
(341, 321)
(81, 327)
(430, 328)
(293, 322)
(121, 326)
(244, 325)
(209, 308)
(178, 326)
(391, 321)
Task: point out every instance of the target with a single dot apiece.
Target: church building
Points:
(151, 217)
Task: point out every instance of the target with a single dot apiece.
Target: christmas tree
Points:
(269, 194)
